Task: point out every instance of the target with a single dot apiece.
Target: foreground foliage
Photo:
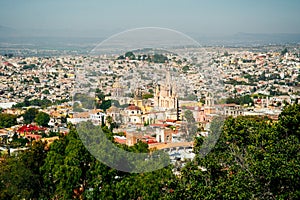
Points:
(255, 158)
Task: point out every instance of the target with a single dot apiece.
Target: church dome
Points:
(113, 109)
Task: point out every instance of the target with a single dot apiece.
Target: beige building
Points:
(165, 97)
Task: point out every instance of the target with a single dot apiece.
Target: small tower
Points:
(138, 98)
(209, 104)
(117, 90)
(209, 100)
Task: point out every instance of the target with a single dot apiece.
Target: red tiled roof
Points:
(160, 125)
(30, 128)
(151, 141)
(190, 107)
(120, 140)
(148, 139)
(133, 107)
(8, 64)
(171, 120)
(33, 136)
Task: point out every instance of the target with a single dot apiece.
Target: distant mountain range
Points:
(251, 39)
(10, 36)
(7, 31)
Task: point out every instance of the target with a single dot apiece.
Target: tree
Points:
(284, 51)
(289, 121)
(66, 167)
(46, 92)
(17, 181)
(30, 115)
(147, 96)
(191, 125)
(150, 185)
(110, 122)
(100, 94)
(130, 55)
(159, 58)
(86, 101)
(70, 171)
(253, 158)
(151, 91)
(36, 80)
(241, 100)
(20, 176)
(7, 120)
(42, 119)
(64, 120)
(77, 107)
(106, 104)
(185, 68)
(34, 102)
(188, 115)
(121, 57)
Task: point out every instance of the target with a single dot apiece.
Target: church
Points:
(164, 105)
(166, 98)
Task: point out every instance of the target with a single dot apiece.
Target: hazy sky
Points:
(189, 16)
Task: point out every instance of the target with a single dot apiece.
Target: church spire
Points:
(168, 77)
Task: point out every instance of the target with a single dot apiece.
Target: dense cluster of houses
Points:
(149, 100)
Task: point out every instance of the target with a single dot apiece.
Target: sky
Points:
(94, 17)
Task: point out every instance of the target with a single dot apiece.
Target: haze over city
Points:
(65, 18)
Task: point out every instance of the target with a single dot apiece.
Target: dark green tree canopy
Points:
(30, 115)
(254, 158)
(7, 120)
(42, 119)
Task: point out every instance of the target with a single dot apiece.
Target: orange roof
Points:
(3, 132)
(120, 140)
(133, 107)
(170, 145)
(160, 125)
(95, 111)
(33, 136)
(81, 115)
(171, 120)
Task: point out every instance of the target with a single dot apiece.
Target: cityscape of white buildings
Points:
(150, 98)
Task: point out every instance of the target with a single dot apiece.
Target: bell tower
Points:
(165, 95)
